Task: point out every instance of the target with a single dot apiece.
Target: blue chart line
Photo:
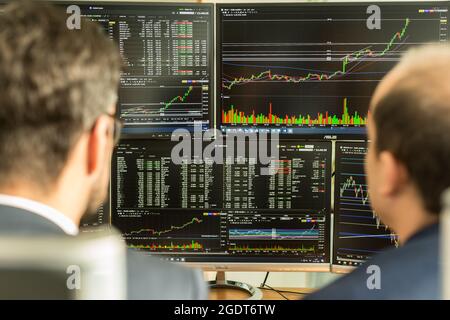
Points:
(370, 217)
(273, 234)
(353, 163)
(349, 235)
(360, 235)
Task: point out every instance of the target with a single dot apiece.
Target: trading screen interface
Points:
(167, 53)
(358, 232)
(311, 69)
(207, 211)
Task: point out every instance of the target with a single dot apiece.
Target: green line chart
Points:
(168, 230)
(180, 98)
(348, 59)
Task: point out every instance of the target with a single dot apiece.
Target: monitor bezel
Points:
(261, 267)
(335, 268)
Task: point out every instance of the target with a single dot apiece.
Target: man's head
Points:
(409, 128)
(57, 94)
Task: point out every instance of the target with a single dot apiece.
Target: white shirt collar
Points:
(49, 213)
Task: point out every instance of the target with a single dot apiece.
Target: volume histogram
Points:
(278, 76)
(170, 246)
(234, 116)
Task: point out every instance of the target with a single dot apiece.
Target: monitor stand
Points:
(221, 282)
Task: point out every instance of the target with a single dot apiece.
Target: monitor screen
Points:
(358, 232)
(167, 49)
(208, 212)
(310, 69)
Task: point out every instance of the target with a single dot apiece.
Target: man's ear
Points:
(393, 174)
(98, 142)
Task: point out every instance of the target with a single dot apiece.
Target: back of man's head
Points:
(54, 83)
(411, 116)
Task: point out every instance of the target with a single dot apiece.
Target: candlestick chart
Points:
(312, 71)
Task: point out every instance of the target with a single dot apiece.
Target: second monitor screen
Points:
(358, 232)
(224, 212)
(311, 69)
(167, 51)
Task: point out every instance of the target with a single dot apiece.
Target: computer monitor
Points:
(357, 231)
(226, 216)
(167, 49)
(310, 69)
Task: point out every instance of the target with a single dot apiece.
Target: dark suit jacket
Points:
(409, 272)
(147, 277)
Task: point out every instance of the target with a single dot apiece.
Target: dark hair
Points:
(54, 83)
(412, 121)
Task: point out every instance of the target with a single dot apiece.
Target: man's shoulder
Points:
(151, 278)
(408, 272)
(148, 277)
(19, 221)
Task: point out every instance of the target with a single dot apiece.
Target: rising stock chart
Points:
(358, 232)
(306, 70)
(172, 230)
